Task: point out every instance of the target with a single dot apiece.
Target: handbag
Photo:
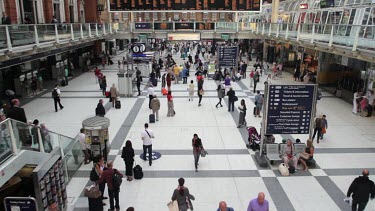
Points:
(201, 92)
(92, 192)
(284, 171)
(203, 152)
(305, 156)
(235, 98)
(172, 205)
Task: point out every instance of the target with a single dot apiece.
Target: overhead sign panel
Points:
(176, 5)
(289, 109)
(228, 56)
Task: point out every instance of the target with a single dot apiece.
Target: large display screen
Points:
(194, 5)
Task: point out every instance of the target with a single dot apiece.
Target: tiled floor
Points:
(229, 172)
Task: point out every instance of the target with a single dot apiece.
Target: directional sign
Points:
(154, 156)
(228, 56)
(289, 109)
(20, 204)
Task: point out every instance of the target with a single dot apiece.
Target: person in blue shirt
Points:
(184, 75)
(223, 207)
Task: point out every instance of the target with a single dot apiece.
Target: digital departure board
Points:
(194, 5)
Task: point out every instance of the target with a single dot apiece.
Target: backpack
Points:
(116, 180)
(93, 175)
(54, 93)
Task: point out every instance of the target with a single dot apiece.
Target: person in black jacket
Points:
(361, 188)
(128, 156)
(197, 147)
(231, 96)
(16, 113)
(100, 110)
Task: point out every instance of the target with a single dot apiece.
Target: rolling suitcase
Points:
(151, 118)
(118, 104)
(138, 173)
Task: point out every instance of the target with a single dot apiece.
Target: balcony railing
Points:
(18, 38)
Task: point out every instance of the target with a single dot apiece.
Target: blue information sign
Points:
(227, 56)
(20, 204)
(289, 109)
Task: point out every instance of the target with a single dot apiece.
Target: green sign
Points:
(142, 36)
(225, 36)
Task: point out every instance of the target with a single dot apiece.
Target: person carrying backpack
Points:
(113, 178)
(56, 97)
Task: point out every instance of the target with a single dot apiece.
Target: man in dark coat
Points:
(100, 110)
(16, 113)
(361, 188)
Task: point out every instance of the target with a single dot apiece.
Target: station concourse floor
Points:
(229, 172)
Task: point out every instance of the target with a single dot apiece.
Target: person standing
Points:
(231, 96)
(155, 107)
(16, 112)
(114, 94)
(356, 99)
(169, 81)
(258, 104)
(171, 111)
(113, 192)
(259, 204)
(361, 189)
(200, 91)
(184, 75)
(128, 156)
(56, 97)
(220, 95)
(100, 110)
(147, 138)
(34, 86)
(242, 108)
(183, 196)
(151, 94)
(256, 80)
(5, 20)
(85, 150)
(317, 128)
(99, 168)
(197, 148)
(223, 207)
(371, 103)
(243, 69)
(191, 90)
(104, 85)
(138, 81)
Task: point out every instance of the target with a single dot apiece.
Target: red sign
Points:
(304, 6)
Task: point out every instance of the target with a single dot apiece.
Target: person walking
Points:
(171, 111)
(259, 204)
(258, 104)
(324, 126)
(197, 148)
(113, 191)
(317, 128)
(151, 94)
(220, 94)
(356, 99)
(128, 156)
(191, 90)
(155, 107)
(147, 138)
(185, 72)
(360, 190)
(83, 143)
(241, 120)
(99, 168)
(223, 207)
(169, 81)
(56, 97)
(200, 91)
(231, 97)
(104, 85)
(183, 196)
(114, 94)
(138, 81)
(251, 75)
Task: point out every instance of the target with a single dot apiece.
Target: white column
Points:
(62, 11)
(57, 34)
(36, 35)
(40, 11)
(72, 31)
(18, 9)
(75, 9)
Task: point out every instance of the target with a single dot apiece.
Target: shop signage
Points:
(304, 6)
(20, 204)
(154, 156)
(225, 36)
(100, 7)
(20, 60)
(289, 109)
(143, 25)
(228, 56)
(138, 48)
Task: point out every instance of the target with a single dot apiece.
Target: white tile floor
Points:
(217, 128)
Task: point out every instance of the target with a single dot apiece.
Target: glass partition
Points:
(46, 32)
(5, 141)
(73, 158)
(21, 35)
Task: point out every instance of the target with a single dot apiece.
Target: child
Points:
(324, 126)
(191, 90)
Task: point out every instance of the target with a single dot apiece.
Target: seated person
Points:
(308, 154)
(289, 154)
